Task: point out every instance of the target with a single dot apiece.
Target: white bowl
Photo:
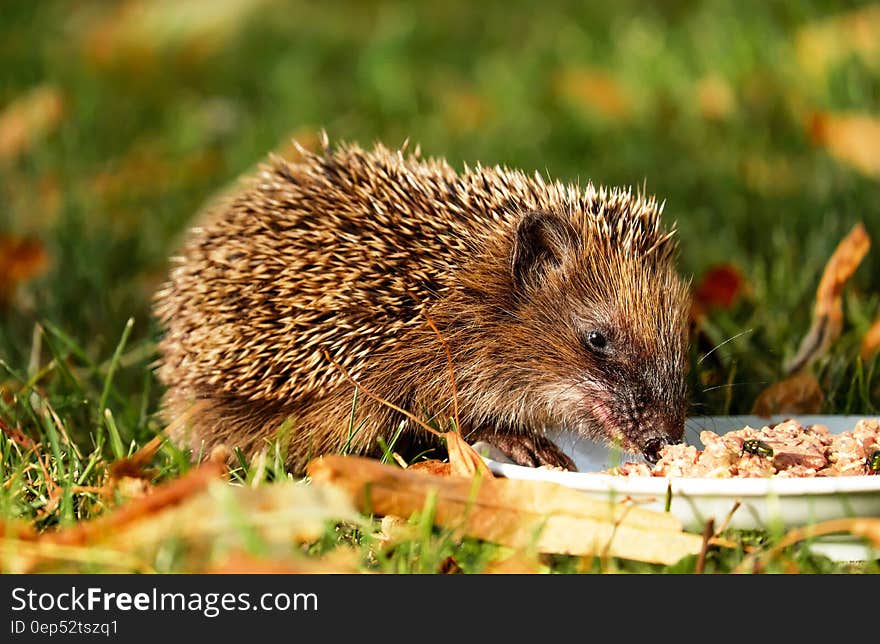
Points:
(774, 504)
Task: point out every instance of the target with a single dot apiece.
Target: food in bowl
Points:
(785, 450)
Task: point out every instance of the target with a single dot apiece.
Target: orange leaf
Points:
(20, 260)
(828, 310)
(28, 118)
(798, 394)
(871, 341)
(464, 459)
(529, 515)
(595, 89)
(432, 467)
(853, 139)
(167, 495)
(821, 44)
(17, 436)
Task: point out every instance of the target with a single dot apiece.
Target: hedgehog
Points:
(557, 306)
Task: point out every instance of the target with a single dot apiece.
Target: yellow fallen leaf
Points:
(464, 459)
(828, 309)
(204, 516)
(135, 31)
(821, 44)
(871, 341)
(529, 515)
(853, 139)
(29, 118)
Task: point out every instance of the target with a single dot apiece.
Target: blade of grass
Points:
(115, 439)
(114, 362)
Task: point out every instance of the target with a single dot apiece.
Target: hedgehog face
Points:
(604, 331)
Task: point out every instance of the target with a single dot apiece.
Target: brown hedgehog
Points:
(560, 305)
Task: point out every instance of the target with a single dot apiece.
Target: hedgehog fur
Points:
(348, 251)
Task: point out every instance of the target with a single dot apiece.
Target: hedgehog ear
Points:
(540, 242)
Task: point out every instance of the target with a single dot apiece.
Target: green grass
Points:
(147, 136)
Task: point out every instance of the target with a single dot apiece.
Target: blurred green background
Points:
(756, 122)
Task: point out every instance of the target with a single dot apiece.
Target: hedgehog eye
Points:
(596, 340)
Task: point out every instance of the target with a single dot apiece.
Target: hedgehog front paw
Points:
(530, 450)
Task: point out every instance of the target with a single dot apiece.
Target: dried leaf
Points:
(137, 31)
(20, 260)
(871, 341)
(17, 436)
(594, 89)
(828, 310)
(449, 566)
(797, 394)
(853, 139)
(464, 459)
(136, 465)
(718, 288)
(822, 44)
(29, 118)
(432, 467)
(516, 513)
(204, 515)
(165, 496)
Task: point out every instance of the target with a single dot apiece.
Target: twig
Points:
(708, 531)
(451, 369)
(727, 519)
(381, 400)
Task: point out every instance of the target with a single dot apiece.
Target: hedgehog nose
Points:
(651, 450)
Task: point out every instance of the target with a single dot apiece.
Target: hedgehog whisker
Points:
(721, 344)
(735, 384)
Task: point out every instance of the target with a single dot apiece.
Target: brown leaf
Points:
(17, 436)
(168, 495)
(136, 465)
(201, 513)
(594, 89)
(449, 566)
(432, 467)
(131, 477)
(20, 260)
(29, 118)
(828, 310)
(853, 139)
(520, 514)
(464, 459)
(797, 394)
(871, 341)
